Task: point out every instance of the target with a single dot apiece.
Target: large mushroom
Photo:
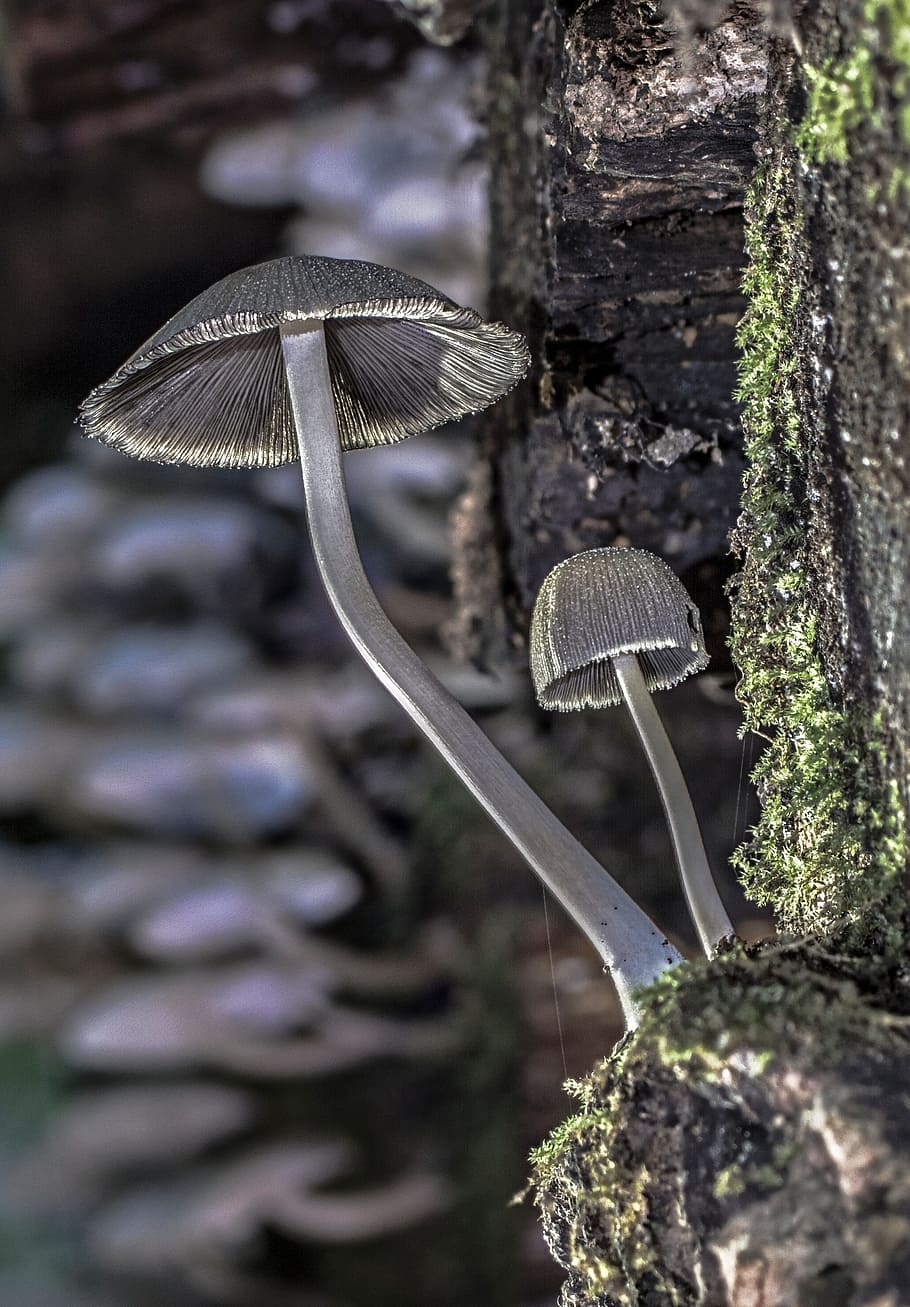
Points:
(322, 355)
(610, 626)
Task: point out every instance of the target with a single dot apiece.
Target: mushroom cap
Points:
(209, 388)
(602, 603)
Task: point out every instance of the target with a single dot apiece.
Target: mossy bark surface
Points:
(751, 1143)
(747, 1146)
(819, 627)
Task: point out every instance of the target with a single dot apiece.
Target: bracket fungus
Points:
(315, 356)
(257, 1021)
(206, 1228)
(612, 625)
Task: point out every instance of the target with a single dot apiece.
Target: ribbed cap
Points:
(209, 387)
(605, 602)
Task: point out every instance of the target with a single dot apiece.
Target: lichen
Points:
(830, 841)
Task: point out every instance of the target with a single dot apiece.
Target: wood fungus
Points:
(313, 356)
(612, 625)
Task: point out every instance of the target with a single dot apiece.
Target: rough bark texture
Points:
(618, 243)
(749, 1145)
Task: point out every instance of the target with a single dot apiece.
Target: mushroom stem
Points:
(634, 950)
(705, 905)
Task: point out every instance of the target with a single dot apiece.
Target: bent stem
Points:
(705, 906)
(631, 946)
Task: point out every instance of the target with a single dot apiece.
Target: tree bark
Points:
(619, 165)
(749, 1145)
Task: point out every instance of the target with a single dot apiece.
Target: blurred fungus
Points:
(183, 1021)
(46, 657)
(114, 883)
(364, 1214)
(37, 752)
(269, 914)
(226, 916)
(224, 1210)
(154, 668)
(28, 903)
(200, 550)
(235, 791)
(59, 502)
(311, 885)
(246, 1020)
(33, 583)
(215, 1214)
(106, 1132)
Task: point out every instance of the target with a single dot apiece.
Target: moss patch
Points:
(830, 841)
(861, 88)
(741, 1098)
(841, 96)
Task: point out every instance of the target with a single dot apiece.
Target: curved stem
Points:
(629, 943)
(705, 906)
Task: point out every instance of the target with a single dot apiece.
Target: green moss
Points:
(830, 842)
(841, 96)
(736, 1178)
(861, 89)
(710, 1032)
(830, 846)
(741, 1179)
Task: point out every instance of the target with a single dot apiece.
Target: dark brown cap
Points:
(602, 603)
(209, 387)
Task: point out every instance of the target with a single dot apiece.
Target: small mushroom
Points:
(153, 668)
(192, 549)
(611, 625)
(192, 1018)
(364, 1214)
(114, 882)
(58, 504)
(36, 752)
(269, 913)
(323, 355)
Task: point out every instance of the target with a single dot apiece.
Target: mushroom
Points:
(260, 1022)
(382, 1210)
(325, 355)
(270, 913)
(612, 625)
(216, 1212)
(109, 1132)
(216, 1216)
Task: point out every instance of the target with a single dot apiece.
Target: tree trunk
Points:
(749, 1145)
(619, 168)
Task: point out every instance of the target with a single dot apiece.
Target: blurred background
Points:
(281, 1015)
